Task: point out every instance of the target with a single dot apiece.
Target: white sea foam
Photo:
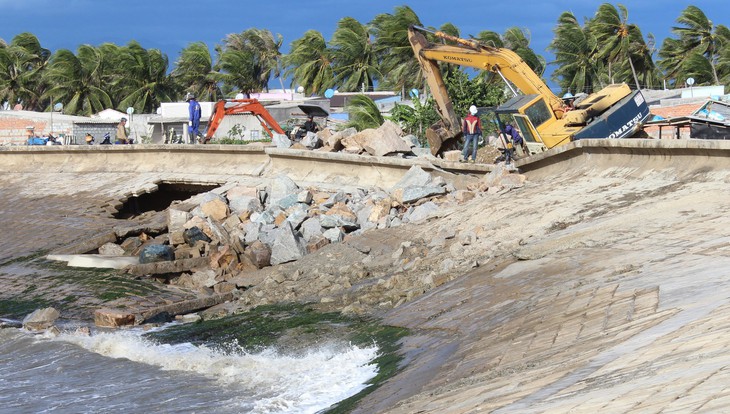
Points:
(305, 383)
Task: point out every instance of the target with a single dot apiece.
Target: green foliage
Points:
(701, 50)
(364, 113)
(309, 63)
(399, 67)
(465, 92)
(195, 72)
(416, 119)
(236, 132)
(354, 62)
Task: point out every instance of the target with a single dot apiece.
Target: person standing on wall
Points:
(193, 117)
(122, 137)
(472, 129)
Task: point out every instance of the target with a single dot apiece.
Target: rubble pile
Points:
(386, 140)
(216, 240)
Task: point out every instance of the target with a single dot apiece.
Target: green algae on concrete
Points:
(31, 282)
(293, 328)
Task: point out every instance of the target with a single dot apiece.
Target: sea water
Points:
(123, 372)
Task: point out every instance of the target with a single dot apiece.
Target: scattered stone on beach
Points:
(41, 319)
(113, 318)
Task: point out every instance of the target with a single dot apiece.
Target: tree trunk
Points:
(633, 71)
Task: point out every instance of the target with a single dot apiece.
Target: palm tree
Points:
(147, 83)
(518, 40)
(195, 72)
(21, 66)
(74, 81)
(364, 113)
(309, 62)
(723, 65)
(575, 50)
(353, 58)
(620, 42)
(263, 48)
(399, 67)
(238, 72)
(697, 37)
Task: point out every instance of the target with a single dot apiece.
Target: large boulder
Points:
(288, 245)
(41, 319)
(415, 176)
(281, 141)
(385, 140)
(214, 206)
(113, 318)
(281, 186)
(334, 141)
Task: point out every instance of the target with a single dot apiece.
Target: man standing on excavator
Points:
(194, 117)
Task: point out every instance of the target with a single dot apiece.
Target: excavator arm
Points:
(241, 106)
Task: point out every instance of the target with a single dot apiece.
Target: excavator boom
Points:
(241, 106)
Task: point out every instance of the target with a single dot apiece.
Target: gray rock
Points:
(304, 197)
(412, 141)
(288, 201)
(415, 176)
(311, 141)
(288, 246)
(412, 194)
(422, 212)
(334, 235)
(41, 319)
(264, 217)
(156, 253)
(268, 234)
(334, 199)
(281, 186)
(111, 249)
(251, 230)
(297, 215)
(281, 141)
(311, 228)
(329, 221)
(193, 234)
(245, 203)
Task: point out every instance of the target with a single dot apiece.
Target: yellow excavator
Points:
(541, 116)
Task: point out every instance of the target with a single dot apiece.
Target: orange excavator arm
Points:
(241, 106)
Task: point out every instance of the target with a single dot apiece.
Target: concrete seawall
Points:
(227, 160)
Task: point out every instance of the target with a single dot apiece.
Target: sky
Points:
(170, 25)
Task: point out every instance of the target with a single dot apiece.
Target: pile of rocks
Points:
(216, 240)
(386, 140)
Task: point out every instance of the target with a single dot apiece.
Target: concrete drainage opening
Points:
(161, 199)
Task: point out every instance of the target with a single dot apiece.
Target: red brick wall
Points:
(13, 129)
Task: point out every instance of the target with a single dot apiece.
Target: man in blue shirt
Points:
(194, 117)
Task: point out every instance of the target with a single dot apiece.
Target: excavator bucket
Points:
(441, 139)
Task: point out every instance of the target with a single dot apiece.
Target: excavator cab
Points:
(528, 113)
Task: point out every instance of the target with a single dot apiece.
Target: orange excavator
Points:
(241, 106)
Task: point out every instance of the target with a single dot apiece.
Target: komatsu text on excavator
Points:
(613, 112)
(240, 106)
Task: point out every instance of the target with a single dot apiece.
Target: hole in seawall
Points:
(160, 199)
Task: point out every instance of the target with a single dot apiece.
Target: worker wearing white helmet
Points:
(472, 129)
